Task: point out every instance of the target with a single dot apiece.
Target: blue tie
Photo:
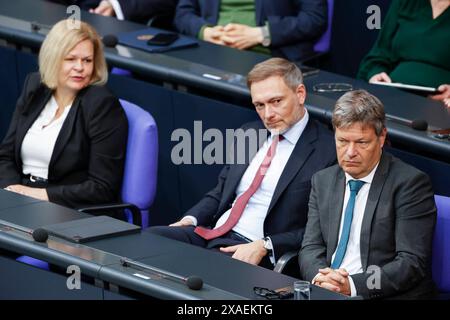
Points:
(355, 186)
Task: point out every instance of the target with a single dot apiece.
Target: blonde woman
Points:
(67, 139)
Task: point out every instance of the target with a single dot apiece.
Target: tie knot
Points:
(355, 185)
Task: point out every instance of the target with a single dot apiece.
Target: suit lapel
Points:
(65, 132)
(31, 114)
(212, 8)
(372, 201)
(335, 209)
(300, 154)
(258, 12)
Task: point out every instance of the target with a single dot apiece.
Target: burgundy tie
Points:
(242, 200)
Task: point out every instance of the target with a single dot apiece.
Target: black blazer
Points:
(86, 166)
(287, 213)
(396, 233)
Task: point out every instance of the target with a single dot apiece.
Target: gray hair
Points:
(359, 106)
(290, 73)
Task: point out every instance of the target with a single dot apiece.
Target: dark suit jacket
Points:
(141, 11)
(83, 4)
(396, 234)
(161, 11)
(87, 163)
(295, 25)
(287, 213)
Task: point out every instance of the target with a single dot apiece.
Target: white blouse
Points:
(39, 142)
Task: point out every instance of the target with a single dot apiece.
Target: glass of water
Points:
(302, 290)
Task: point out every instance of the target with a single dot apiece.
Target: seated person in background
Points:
(67, 138)
(83, 4)
(258, 210)
(285, 28)
(160, 12)
(413, 47)
(379, 243)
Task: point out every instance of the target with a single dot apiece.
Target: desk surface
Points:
(224, 277)
(189, 66)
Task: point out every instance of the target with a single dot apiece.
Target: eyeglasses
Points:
(332, 87)
(272, 294)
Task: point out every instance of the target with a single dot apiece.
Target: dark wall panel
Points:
(197, 179)
(8, 88)
(351, 40)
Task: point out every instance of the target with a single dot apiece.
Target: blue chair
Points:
(141, 165)
(441, 245)
(323, 44)
(121, 72)
(34, 262)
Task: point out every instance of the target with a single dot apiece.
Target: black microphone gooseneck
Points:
(39, 234)
(193, 282)
(416, 124)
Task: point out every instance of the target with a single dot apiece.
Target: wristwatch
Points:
(266, 36)
(268, 245)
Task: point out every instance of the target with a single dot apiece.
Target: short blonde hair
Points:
(61, 39)
(290, 73)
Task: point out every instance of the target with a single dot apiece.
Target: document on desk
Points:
(407, 86)
(138, 39)
(90, 229)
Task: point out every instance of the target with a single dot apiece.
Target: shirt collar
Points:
(293, 133)
(53, 106)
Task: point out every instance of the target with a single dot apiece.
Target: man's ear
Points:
(301, 93)
(383, 137)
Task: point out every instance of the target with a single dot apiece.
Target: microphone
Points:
(192, 282)
(40, 235)
(110, 40)
(416, 124)
(36, 26)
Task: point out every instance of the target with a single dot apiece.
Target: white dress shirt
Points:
(39, 142)
(251, 223)
(117, 9)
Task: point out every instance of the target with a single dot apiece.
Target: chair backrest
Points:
(441, 245)
(323, 44)
(141, 164)
(121, 72)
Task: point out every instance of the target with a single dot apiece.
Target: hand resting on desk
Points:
(37, 193)
(234, 35)
(252, 252)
